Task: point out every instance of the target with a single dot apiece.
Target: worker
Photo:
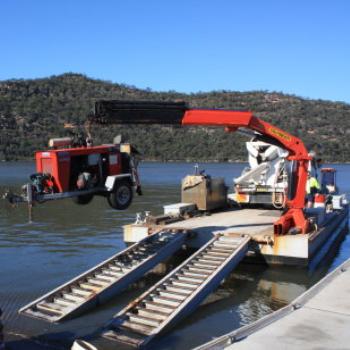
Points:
(312, 187)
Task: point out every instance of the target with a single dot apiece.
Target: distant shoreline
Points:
(35, 110)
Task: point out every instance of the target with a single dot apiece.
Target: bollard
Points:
(2, 342)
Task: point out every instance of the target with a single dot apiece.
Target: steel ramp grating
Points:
(106, 279)
(179, 293)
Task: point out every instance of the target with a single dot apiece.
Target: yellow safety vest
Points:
(312, 183)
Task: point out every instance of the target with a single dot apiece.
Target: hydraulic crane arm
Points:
(144, 112)
(233, 120)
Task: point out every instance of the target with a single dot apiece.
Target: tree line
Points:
(32, 111)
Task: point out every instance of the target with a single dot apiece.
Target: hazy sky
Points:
(294, 46)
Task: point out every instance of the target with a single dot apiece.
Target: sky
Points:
(299, 47)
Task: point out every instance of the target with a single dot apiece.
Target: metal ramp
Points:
(105, 280)
(179, 293)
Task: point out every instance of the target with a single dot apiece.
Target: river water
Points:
(65, 239)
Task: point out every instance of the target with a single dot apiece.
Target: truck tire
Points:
(121, 196)
(83, 199)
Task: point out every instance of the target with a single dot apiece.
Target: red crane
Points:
(145, 112)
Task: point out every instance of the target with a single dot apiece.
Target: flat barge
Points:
(265, 246)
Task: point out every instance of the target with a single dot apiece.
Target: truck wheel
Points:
(121, 196)
(83, 199)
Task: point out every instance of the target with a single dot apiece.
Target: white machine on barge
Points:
(264, 220)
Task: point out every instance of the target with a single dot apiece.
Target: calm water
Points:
(65, 240)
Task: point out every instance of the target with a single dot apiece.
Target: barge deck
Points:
(265, 247)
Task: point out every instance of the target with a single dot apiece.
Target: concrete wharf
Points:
(318, 319)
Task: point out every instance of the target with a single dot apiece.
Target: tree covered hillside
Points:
(32, 111)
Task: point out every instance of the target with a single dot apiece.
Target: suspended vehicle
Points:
(80, 171)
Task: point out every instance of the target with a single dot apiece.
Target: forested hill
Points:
(32, 111)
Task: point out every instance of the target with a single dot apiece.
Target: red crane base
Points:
(293, 218)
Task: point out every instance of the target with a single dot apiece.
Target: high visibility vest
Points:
(312, 183)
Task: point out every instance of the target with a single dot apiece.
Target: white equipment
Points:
(265, 181)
